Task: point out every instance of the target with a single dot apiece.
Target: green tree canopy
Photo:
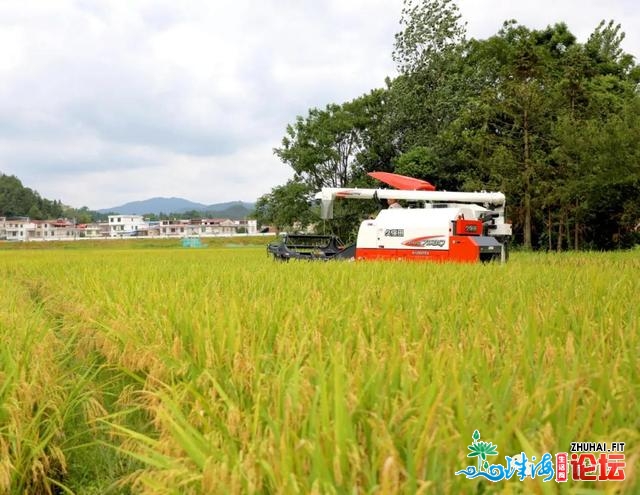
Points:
(551, 121)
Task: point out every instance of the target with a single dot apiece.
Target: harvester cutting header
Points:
(438, 226)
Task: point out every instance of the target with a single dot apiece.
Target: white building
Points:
(204, 227)
(93, 230)
(225, 226)
(16, 229)
(172, 228)
(250, 227)
(24, 229)
(52, 230)
(127, 225)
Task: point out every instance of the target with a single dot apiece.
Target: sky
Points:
(103, 102)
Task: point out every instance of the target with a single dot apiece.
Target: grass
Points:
(131, 243)
(219, 371)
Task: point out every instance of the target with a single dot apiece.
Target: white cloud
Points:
(104, 102)
(485, 17)
(244, 175)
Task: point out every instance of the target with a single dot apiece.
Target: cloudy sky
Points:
(106, 101)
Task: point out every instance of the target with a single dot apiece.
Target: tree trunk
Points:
(527, 184)
(549, 231)
(560, 233)
(576, 235)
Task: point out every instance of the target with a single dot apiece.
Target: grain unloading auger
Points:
(439, 225)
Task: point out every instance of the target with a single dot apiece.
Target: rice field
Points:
(160, 370)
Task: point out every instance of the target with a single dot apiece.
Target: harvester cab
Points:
(449, 226)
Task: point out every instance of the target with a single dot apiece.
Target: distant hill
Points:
(16, 200)
(230, 209)
(155, 205)
(235, 211)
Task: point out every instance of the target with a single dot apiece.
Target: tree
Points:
(594, 134)
(35, 213)
(378, 146)
(436, 83)
(334, 147)
(431, 28)
(520, 106)
(17, 200)
(286, 207)
(191, 214)
(536, 127)
(551, 122)
(322, 148)
(431, 89)
(82, 215)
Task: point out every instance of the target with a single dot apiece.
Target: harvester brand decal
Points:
(471, 228)
(348, 193)
(394, 233)
(429, 241)
(607, 465)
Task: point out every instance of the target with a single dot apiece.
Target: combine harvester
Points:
(444, 226)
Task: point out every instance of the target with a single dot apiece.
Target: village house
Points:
(127, 226)
(52, 230)
(93, 230)
(15, 229)
(119, 226)
(205, 227)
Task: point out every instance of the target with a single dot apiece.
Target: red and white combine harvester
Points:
(437, 225)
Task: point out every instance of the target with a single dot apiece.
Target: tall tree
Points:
(429, 53)
(597, 94)
(333, 147)
(431, 28)
(550, 121)
(322, 147)
(520, 67)
(286, 207)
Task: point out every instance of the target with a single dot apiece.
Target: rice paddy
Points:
(134, 369)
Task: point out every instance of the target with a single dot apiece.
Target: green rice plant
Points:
(49, 399)
(219, 371)
(35, 397)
